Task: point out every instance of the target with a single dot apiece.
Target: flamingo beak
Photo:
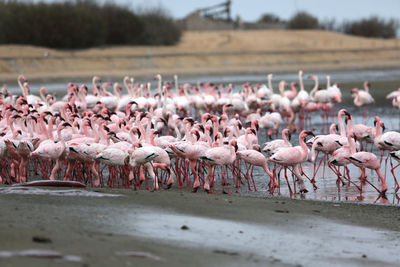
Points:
(310, 133)
(337, 98)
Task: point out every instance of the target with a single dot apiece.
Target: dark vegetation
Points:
(303, 20)
(373, 27)
(83, 24)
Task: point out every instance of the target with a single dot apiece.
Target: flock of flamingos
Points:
(199, 136)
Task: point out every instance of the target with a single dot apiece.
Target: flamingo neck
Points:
(352, 144)
(232, 153)
(284, 137)
(152, 140)
(282, 89)
(341, 125)
(50, 129)
(14, 132)
(270, 83)
(303, 146)
(96, 135)
(208, 138)
(86, 130)
(349, 125)
(328, 82)
(313, 150)
(366, 88)
(62, 141)
(159, 84)
(236, 129)
(178, 133)
(378, 129)
(42, 128)
(316, 83)
(21, 86)
(41, 93)
(301, 84)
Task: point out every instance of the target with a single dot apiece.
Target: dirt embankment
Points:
(207, 53)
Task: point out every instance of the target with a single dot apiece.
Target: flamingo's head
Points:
(234, 144)
(227, 131)
(337, 98)
(254, 123)
(376, 120)
(306, 133)
(22, 78)
(257, 147)
(382, 124)
(206, 116)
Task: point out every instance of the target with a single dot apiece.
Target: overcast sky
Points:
(251, 10)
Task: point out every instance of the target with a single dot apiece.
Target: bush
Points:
(269, 18)
(303, 20)
(81, 24)
(122, 26)
(160, 29)
(372, 27)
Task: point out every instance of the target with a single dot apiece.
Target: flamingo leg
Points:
(394, 177)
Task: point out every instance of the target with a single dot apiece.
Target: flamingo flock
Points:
(188, 135)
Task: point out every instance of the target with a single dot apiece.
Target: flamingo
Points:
(53, 150)
(255, 158)
(293, 157)
(273, 146)
(219, 156)
(362, 98)
(369, 160)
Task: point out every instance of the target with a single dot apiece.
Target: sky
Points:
(251, 10)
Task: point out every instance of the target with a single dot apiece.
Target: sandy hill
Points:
(207, 52)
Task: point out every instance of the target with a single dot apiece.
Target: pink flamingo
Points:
(219, 156)
(52, 150)
(273, 146)
(293, 157)
(255, 158)
(362, 98)
(368, 160)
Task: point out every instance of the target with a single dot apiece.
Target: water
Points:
(383, 81)
(320, 241)
(386, 80)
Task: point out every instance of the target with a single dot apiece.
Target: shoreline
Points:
(186, 229)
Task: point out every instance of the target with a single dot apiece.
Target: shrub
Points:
(303, 20)
(160, 29)
(372, 27)
(269, 18)
(82, 24)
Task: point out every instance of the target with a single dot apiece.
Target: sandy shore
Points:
(185, 229)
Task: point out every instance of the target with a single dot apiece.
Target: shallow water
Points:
(326, 179)
(53, 192)
(320, 241)
(383, 81)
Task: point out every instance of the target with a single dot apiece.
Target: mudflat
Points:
(173, 228)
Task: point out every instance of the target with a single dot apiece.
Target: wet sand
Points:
(185, 229)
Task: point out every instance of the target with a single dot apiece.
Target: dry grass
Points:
(207, 52)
